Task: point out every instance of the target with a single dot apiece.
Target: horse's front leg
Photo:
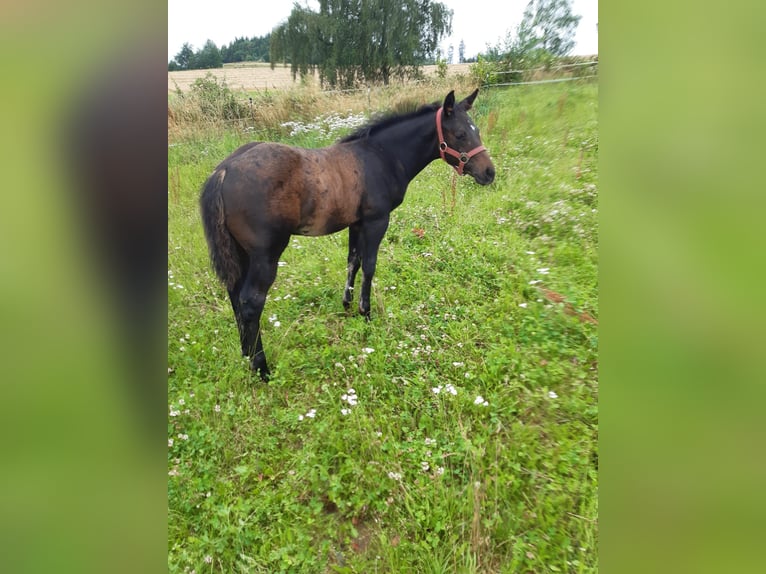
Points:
(372, 234)
(354, 262)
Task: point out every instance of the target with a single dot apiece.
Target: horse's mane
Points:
(380, 122)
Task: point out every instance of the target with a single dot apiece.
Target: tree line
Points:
(255, 49)
(353, 42)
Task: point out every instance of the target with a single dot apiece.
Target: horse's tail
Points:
(221, 245)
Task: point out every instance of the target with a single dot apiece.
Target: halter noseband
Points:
(461, 156)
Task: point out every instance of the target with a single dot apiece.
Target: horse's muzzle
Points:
(484, 176)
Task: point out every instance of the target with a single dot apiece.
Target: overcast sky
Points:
(476, 22)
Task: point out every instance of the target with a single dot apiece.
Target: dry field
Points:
(261, 76)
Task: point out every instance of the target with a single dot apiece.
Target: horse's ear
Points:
(468, 102)
(449, 104)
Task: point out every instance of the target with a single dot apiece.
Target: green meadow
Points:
(455, 432)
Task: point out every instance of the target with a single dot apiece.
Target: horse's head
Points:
(459, 141)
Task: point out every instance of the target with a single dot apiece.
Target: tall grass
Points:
(211, 107)
(471, 442)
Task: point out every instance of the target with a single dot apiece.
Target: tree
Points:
(461, 52)
(208, 57)
(546, 31)
(450, 54)
(184, 59)
(548, 25)
(353, 41)
(295, 41)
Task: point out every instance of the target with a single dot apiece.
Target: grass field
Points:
(457, 431)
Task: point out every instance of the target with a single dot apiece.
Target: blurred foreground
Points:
(82, 300)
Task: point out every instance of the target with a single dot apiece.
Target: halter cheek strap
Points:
(461, 156)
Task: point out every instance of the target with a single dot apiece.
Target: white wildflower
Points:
(350, 397)
(479, 400)
(368, 350)
(552, 395)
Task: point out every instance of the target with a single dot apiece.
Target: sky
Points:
(476, 22)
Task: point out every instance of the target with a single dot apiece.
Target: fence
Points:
(593, 63)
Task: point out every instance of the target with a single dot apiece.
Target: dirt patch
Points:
(262, 77)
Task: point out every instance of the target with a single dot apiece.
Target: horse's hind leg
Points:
(252, 298)
(234, 299)
(354, 261)
(234, 294)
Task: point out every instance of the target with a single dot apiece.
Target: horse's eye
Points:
(460, 135)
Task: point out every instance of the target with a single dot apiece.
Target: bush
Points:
(216, 100)
(441, 68)
(484, 71)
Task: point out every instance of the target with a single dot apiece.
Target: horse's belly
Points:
(326, 221)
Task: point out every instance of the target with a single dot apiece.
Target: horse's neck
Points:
(413, 145)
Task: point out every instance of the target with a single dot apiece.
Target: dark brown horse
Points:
(265, 192)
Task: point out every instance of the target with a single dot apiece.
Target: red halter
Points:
(461, 156)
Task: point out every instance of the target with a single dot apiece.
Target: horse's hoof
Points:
(262, 370)
(346, 304)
